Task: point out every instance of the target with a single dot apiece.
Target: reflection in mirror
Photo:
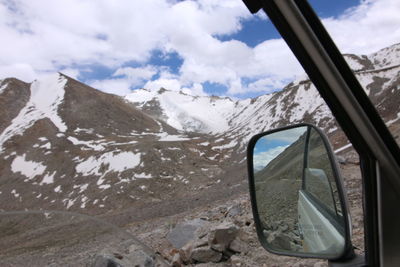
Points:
(296, 195)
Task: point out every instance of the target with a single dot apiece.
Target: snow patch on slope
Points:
(353, 63)
(48, 179)
(164, 137)
(89, 144)
(46, 96)
(2, 86)
(115, 162)
(26, 167)
(366, 78)
(386, 57)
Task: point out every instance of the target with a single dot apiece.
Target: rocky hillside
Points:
(66, 146)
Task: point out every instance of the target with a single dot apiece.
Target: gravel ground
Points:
(154, 232)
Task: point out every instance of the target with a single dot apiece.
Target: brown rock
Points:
(238, 246)
(235, 261)
(176, 260)
(206, 254)
(220, 237)
(186, 252)
(201, 243)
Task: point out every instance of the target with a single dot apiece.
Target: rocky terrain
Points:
(187, 238)
(157, 159)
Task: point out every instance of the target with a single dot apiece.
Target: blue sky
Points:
(201, 47)
(270, 146)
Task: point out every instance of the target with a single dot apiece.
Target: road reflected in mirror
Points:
(296, 194)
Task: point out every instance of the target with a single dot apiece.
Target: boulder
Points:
(186, 252)
(138, 257)
(221, 236)
(176, 260)
(238, 246)
(235, 261)
(185, 232)
(103, 260)
(143, 257)
(234, 211)
(201, 242)
(135, 256)
(206, 254)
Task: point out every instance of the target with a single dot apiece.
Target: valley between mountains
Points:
(154, 154)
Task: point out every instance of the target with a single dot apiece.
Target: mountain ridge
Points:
(67, 146)
(231, 118)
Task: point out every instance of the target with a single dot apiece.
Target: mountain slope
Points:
(67, 146)
(70, 146)
(185, 112)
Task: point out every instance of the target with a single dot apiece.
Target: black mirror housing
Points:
(297, 196)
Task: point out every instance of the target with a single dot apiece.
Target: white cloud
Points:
(365, 29)
(113, 86)
(196, 90)
(262, 157)
(137, 73)
(136, 76)
(266, 85)
(44, 36)
(167, 83)
(73, 73)
(261, 160)
(272, 65)
(228, 62)
(20, 71)
(172, 82)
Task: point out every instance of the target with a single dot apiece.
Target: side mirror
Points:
(297, 196)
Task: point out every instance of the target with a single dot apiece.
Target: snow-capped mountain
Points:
(299, 101)
(185, 112)
(66, 146)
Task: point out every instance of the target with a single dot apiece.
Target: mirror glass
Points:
(297, 200)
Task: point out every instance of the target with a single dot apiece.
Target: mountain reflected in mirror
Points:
(296, 194)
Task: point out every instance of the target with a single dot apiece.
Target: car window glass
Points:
(376, 63)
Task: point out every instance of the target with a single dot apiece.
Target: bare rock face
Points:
(14, 96)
